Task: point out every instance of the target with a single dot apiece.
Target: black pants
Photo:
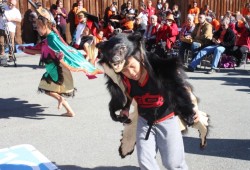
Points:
(238, 53)
(62, 31)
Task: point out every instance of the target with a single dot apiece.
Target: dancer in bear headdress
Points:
(59, 60)
(159, 92)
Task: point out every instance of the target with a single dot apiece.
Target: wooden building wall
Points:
(97, 7)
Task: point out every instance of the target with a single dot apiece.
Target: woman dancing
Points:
(59, 60)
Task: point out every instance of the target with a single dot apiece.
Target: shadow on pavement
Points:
(30, 66)
(229, 71)
(227, 148)
(14, 107)
(72, 167)
(237, 71)
(229, 81)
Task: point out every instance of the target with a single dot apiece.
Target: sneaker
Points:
(211, 71)
(10, 59)
(190, 69)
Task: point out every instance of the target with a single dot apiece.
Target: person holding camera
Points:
(168, 32)
(128, 8)
(11, 15)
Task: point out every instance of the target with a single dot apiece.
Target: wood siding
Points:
(97, 7)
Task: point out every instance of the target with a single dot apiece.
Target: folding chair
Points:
(245, 55)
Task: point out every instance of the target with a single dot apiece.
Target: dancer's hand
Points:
(124, 116)
(124, 112)
(60, 55)
(196, 117)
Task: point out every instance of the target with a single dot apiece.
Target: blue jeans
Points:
(195, 48)
(216, 50)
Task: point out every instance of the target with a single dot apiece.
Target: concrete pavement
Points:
(90, 140)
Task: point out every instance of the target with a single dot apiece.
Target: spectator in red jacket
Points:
(246, 10)
(168, 32)
(151, 32)
(150, 10)
(243, 39)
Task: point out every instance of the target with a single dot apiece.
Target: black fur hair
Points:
(109, 49)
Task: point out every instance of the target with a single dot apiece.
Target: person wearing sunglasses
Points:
(200, 37)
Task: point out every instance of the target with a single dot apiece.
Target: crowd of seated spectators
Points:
(161, 27)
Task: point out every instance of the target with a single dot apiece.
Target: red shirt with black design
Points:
(151, 104)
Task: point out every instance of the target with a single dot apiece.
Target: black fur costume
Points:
(168, 74)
